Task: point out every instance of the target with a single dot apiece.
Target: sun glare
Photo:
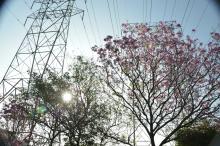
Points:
(67, 97)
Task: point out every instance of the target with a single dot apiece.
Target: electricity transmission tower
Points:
(43, 46)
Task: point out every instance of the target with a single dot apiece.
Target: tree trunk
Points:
(51, 141)
(152, 141)
(78, 140)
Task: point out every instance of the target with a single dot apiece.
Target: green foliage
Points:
(81, 121)
(199, 135)
(85, 115)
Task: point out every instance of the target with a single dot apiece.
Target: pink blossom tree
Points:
(167, 81)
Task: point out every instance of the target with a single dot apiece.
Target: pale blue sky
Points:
(14, 13)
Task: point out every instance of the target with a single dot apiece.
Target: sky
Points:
(101, 19)
(200, 14)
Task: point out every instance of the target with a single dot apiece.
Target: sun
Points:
(66, 97)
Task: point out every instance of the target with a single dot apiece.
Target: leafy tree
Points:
(19, 121)
(197, 135)
(165, 80)
(79, 121)
(82, 118)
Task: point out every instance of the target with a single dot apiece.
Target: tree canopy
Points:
(199, 134)
(166, 80)
(78, 121)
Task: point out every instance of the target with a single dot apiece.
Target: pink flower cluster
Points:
(164, 60)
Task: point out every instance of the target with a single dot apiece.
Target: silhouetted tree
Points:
(199, 134)
(166, 81)
(80, 121)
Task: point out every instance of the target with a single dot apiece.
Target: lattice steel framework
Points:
(42, 48)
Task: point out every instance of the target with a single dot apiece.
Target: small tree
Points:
(82, 118)
(43, 112)
(18, 119)
(166, 81)
(197, 135)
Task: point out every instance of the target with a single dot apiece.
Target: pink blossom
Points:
(216, 36)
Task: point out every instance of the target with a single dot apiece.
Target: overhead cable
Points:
(190, 11)
(173, 9)
(151, 4)
(185, 11)
(165, 9)
(90, 21)
(115, 15)
(202, 16)
(110, 15)
(95, 19)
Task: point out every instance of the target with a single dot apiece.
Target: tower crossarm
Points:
(42, 48)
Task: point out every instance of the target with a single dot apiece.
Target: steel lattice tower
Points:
(43, 46)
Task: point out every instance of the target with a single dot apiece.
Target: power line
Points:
(185, 12)
(90, 22)
(174, 6)
(25, 2)
(78, 39)
(15, 17)
(117, 8)
(202, 15)
(111, 18)
(96, 23)
(187, 19)
(86, 33)
(143, 11)
(150, 10)
(117, 24)
(165, 9)
(146, 11)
